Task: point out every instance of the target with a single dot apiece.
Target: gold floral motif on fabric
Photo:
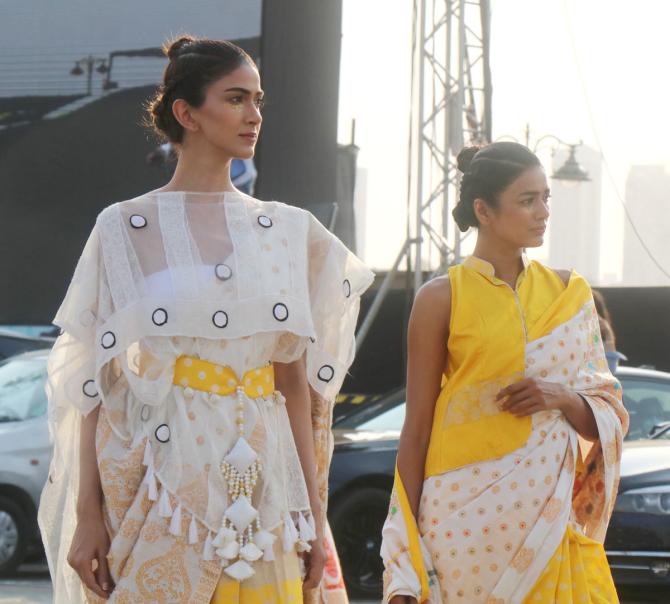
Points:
(165, 578)
(471, 403)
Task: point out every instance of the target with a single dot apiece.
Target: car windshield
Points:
(22, 393)
(648, 404)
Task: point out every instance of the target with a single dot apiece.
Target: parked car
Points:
(25, 453)
(13, 343)
(638, 541)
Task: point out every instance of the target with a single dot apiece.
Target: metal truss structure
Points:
(451, 107)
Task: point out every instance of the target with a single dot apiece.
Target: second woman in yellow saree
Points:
(508, 461)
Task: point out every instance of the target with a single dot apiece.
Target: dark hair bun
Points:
(173, 49)
(465, 157)
(194, 63)
(496, 166)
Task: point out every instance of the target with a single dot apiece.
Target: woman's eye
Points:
(236, 100)
(260, 103)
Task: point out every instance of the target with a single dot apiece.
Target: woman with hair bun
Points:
(508, 389)
(205, 335)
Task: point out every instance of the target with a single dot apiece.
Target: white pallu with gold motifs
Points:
(230, 280)
(488, 530)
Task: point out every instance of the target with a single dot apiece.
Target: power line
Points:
(596, 134)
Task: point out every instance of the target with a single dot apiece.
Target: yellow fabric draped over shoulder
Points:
(490, 327)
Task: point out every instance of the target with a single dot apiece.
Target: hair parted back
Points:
(194, 63)
(487, 171)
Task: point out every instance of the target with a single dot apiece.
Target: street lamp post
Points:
(571, 171)
(89, 64)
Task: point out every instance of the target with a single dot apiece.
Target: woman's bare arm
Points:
(291, 381)
(427, 336)
(90, 541)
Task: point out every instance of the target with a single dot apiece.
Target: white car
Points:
(25, 454)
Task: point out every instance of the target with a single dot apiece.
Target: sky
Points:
(586, 70)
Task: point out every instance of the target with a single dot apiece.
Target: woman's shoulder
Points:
(563, 274)
(435, 293)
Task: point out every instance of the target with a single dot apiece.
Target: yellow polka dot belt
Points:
(191, 372)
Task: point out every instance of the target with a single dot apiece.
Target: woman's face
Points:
(230, 117)
(520, 218)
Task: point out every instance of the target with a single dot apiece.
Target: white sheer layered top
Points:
(223, 277)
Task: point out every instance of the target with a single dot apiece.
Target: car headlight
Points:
(650, 500)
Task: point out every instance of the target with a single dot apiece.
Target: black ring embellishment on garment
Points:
(280, 312)
(89, 389)
(137, 221)
(223, 272)
(220, 319)
(265, 221)
(326, 373)
(162, 433)
(159, 317)
(108, 340)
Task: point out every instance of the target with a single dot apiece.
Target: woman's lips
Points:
(251, 137)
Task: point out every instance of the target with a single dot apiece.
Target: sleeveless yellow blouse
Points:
(490, 326)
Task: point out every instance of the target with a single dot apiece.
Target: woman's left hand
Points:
(530, 396)
(315, 562)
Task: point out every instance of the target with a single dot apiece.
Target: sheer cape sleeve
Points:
(337, 279)
(72, 391)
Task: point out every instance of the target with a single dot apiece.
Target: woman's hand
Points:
(529, 396)
(315, 562)
(91, 542)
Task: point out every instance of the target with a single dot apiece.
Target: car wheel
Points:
(356, 521)
(13, 536)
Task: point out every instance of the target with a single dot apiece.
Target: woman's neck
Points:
(507, 261)
(200, 172)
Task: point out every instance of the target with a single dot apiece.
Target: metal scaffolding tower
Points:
(451, 107)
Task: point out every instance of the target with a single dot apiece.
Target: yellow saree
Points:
(508, 512)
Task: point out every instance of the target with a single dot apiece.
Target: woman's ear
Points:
(183, 113)
(482, 211)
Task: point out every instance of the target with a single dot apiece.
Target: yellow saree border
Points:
(412, 537)
(567, 305)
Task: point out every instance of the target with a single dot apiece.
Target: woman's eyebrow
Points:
(242, 90)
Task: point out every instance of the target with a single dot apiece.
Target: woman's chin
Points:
(537, 241)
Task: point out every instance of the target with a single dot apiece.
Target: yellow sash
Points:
(192, 372)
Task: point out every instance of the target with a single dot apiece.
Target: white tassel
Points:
(293, 527)
(307, 533)
(146, 461)
(290, 534)
(229, 551)
(268, 554)
(164, 508)
(287, 542)
(192, 531)
(175, 523)
(224, 537)
(150, 481)
(250, 552)
(208, 550)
